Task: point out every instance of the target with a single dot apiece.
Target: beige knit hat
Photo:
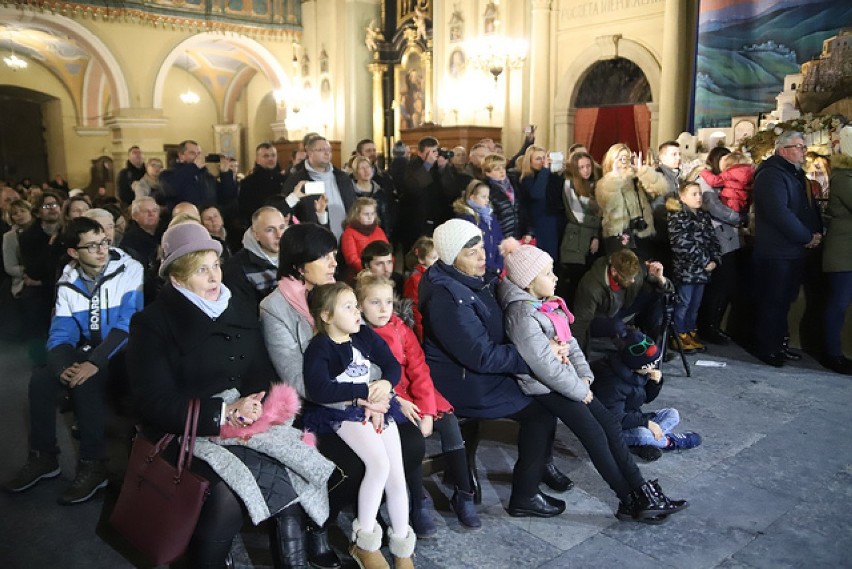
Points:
(451, 236)
(523, 263)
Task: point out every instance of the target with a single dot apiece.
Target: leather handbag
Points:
(159, 503)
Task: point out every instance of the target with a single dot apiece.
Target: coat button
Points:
(227, 337)
(232, 378)
(242, 356)
(231, 358)
(239, 336)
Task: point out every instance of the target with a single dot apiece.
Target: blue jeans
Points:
(667, 419)
(839, 298)
(686, 310)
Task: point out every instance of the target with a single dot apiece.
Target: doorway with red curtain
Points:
(612, 107)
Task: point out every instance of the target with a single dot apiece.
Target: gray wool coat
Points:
(287, 335)
(530, 331)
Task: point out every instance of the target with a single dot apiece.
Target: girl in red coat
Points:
(736, 181)
(424, 251)
(419, 400)
(362, 228)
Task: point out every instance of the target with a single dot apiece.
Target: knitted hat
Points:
(184, 238)
(451, 236)
(523, 262)
(638, 350)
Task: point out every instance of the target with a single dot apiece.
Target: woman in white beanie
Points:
(472, 363)
(534, 316)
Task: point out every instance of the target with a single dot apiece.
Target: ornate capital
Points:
(608, 45)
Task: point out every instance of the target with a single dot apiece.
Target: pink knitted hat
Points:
(523, 263)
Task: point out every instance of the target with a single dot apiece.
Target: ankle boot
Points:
(422, 522)
(649, 502)
(402, 549)
(554, 479)
(320, 553)
(287, 539)
(366, 547)
(462, 504)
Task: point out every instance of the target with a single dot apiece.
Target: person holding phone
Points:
(190, 181)
(541, 198)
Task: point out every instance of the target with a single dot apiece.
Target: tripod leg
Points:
(683, 359)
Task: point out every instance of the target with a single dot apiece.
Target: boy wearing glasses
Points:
(98, 292)
(627, 380)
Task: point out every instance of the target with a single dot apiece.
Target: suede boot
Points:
(366, 547)
(402, 549)
(462, 504)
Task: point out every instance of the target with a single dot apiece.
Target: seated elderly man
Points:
(618, 290)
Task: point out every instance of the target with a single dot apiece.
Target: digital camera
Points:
(638, 224)
(446, 153)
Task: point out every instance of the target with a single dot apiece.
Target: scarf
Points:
(336, 210)
(560, 323)
(212, 308)
(294, 291)
(577, 203)
(365, 230)
(506, 185)
(484, 212)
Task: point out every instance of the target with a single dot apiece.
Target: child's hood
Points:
(673, 204)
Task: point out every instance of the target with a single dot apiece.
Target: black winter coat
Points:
(624, 392)
(256, 189)
(508, 213)
(176, 353)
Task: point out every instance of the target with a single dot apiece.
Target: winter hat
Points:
(638, 350)
(184, 238)
(451, 236)
(523, 263)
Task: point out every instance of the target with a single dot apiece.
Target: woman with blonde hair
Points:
(541, 194)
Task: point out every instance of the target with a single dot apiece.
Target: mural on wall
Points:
(458, 63)
(456, 24)
(747, 47)
(411, 92)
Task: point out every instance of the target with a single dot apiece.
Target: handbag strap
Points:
(187, 442)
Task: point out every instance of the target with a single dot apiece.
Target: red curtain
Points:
(614, 124)
(584, 125)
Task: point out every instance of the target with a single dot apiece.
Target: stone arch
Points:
(259, 55)
(104, 69)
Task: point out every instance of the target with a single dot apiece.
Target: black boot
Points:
(648, 501)
(554, 479)
(788, 353)
(320, 553)
(287, 539)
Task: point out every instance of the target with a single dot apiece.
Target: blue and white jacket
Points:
(95, 324)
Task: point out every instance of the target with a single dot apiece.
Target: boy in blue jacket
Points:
(627, 380)
(98, 292)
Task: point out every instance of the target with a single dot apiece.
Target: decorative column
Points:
(427, 82)
(655, 124)
(673, 84)
(378, 69)
(140, 127)
(563, 130)
(539, 60)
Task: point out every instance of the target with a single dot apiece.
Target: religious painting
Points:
(305, 65)
(458, 63)
(491, 18)
(325, 89)
(411, 99)
(747, 47)
(323, 60)
(456, 24)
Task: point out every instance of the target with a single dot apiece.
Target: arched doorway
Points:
(23, 153)
(612, 106)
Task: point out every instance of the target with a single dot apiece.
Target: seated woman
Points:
(197, 342)
(307, 259)
(472, 365)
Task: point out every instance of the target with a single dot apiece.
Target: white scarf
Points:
(578, 203)
(212, 308)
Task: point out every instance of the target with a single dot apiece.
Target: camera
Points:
(446, 153)
(638, 224)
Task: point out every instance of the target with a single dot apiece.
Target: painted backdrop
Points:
(746, 47)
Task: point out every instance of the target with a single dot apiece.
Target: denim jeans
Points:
(686, 310)
(840, 296)
(667, 419)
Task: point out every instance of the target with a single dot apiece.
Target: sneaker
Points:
(683, 441)
(40, 465)
(647, 453)
(91, 477)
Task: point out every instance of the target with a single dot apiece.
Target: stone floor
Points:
(770, 487)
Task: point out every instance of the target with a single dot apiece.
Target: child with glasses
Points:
(629, 379)
(538, 323)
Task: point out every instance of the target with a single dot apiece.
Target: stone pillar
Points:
(655, 124)
(563, 131)
(141, 127)
(279, 130)
(674, 86)
(539, 61)
(429, 94)
(378, 69)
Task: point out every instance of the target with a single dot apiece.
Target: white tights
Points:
(382, 458)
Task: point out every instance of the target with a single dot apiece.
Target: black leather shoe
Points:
(555, 480)
(536, 506)
(776, 359)
(838, 364)
(320, 553)
(790, 355)
(554, 501)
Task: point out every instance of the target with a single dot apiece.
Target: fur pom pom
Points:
(508, 246)
(281, 405)
(309, 439)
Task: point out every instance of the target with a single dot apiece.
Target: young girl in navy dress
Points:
(363, 413)
(420, 401)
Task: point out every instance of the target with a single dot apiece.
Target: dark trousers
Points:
(717, 295)
(90, 409)
(600, 434)
(537, 426)
(839, 298)
(776, 286)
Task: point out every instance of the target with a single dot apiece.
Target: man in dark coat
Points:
(189, 180)
(133, 171)
(787, 225)
(265, 181)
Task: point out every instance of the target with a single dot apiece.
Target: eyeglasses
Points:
(796, 146)
(49, 206)
(641, 347)
(623, 159)
(95, 247)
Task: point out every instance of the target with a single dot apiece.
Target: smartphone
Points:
(557, 160)
(528, 129)
(314, 188)
(212, 158)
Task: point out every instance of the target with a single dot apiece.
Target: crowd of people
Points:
(397, 303)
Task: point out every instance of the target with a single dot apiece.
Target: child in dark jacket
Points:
(627, 380)
(475, 206)
(695, 254)
(423, 251)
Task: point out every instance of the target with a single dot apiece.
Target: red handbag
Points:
(159, 503)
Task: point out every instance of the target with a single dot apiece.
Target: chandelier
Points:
(494, 53)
